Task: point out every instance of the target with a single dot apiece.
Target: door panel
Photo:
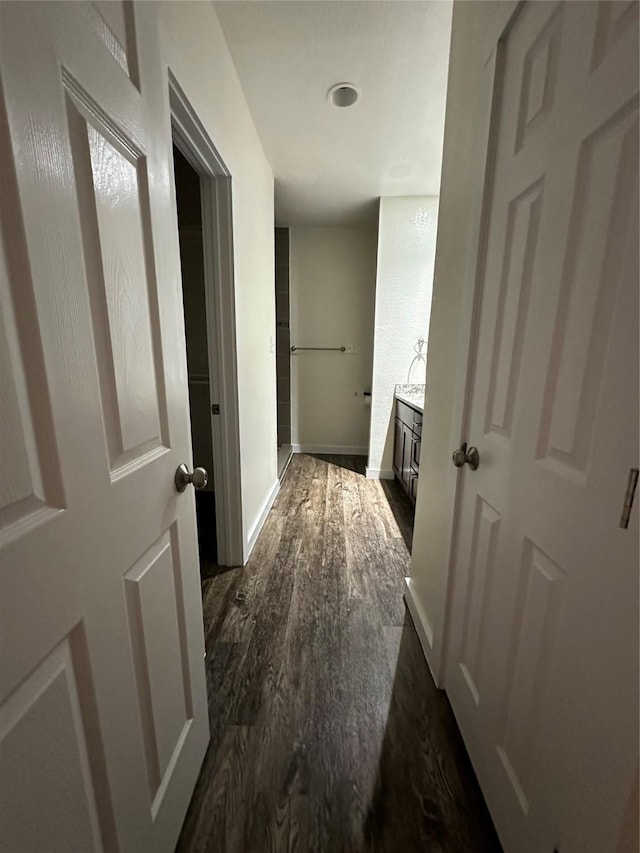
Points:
(486, 528)
(31, 486)
(542, 631)
(116, 235)
(602, 208)
(523, 219)
(100, 609)
(540, 602)
(151, 588)
(44, 754)
(114, 24)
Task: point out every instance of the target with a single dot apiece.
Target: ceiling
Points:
(332, 164)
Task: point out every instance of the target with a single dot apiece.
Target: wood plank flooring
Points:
(327, 732)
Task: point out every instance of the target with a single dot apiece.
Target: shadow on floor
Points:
(401, 507)
(357, 464)
(210, 570)
(424, 772)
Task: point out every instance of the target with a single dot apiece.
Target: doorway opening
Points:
(203, 201)
(190, 234)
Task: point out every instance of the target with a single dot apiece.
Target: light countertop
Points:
(412, 395)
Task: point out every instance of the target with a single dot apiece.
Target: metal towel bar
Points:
(327, 349)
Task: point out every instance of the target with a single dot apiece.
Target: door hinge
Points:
(215, 408)
(628, 498)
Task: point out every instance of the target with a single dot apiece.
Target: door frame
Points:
(193, 141)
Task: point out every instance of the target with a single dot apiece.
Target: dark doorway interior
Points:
(190, 232)
(283, 343)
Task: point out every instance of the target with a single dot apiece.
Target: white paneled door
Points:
(103, 716)
(543, 658)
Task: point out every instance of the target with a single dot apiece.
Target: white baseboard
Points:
(332, 449)
(257, 527)
(380, 473)
(421, 623)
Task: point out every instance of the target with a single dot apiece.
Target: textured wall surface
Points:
(333, 276)
(404, 280)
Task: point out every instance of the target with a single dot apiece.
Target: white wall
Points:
(333, 273)
(195, 50)
(404, 280)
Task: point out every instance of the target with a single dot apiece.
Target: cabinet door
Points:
(398, 447)
(415, 453)
(406, 458)
(413, 488)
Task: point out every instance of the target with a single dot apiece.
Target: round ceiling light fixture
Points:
(343, 95)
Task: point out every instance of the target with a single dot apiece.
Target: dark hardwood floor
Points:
(327, 732)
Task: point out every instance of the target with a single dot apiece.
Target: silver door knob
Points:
(469, 456)
(198, 479)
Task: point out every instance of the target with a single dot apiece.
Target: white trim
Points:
(421, 624)
(380, 473)
(257, 527)
(191, 138)
(331, 449)
(286, 465)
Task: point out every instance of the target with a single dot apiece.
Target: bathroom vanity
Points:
(409, 406)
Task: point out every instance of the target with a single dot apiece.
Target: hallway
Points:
(327, 733)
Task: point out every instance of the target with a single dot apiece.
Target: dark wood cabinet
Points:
(398, 446)
(406, 447)
(413, 488)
